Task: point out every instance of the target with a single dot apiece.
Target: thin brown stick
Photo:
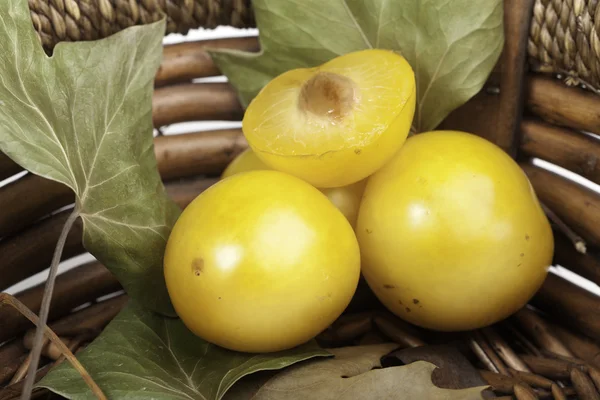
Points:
(549, 367)
(7, 299)
(522, 392)
(529, 346)
(571, 304)
(583, 385)
(577, 240)
(73, 288)
(393, 330)
(352, 326)
(195, 102)
(537, 328)
(482, 356)
(45, 308)
(558, 393)
(185, 61)
(532, 379)
(23, 368)
(502, 348)
(587, 265)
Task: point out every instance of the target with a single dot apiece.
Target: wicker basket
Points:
(546, 352)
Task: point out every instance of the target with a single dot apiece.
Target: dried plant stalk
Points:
(537, 328)
(562, 105)
(351, 326)
(522, 392)
(90, 320)
(24, 367)
(185, 61)
(394, 330)
(570, 303)
(499, 382)
(576, 240)
(549, 367)
(532, 379)
(73, 288)
(195, 102)
(502, 348)
(482, 356)
(583, 385)
(31, 251)
(558, 393)
(567, 148)
(29, 199)
(12, 356)
(587, 265)
(7, 299)
(489, 352)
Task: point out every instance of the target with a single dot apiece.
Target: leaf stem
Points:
(38, 342)
(7, 299)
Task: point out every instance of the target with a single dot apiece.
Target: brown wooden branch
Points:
(209, 152)
(195, 102)
(6, 299)
(510, 358)
(584, 386)
(576, 205)
(490, 355)
(185, 61)
(587, 265)
(73, 288)
(562, 105)
(542, 333)
(571, 304)
(581, 346)
(549, 367)
(565, 147)
(395, 329)
(577, 241)
(31, 251)
(11, 356)
(29, 199)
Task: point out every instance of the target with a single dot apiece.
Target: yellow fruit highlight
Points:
(260, 262)
(335, 124)
(451, 233)
(345, 198)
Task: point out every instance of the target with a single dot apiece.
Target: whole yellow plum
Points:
(452, 235)
(261, 262)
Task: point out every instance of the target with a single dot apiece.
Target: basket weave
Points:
(549, 351)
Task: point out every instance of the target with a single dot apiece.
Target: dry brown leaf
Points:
(354, 373)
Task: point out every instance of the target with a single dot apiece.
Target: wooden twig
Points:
(482, 356)
(38, 341)
(529, 346)
(185, 61)
(537, 328)
(577, 240)
(583, 385)
(507, 354)
(549, 367)
(522, 392)
(195, 102)
(24, 367)
(392, 328)
(7, 299)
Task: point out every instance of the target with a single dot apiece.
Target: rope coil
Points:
(564, 35)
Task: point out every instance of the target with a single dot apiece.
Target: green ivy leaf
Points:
(452, 45)
(141, 355)
(83, 117)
